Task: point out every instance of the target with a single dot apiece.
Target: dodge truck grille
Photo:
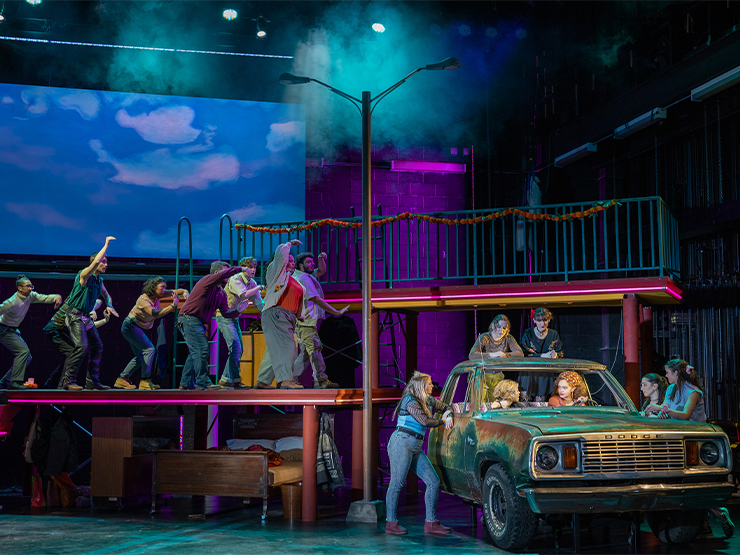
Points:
(646, 455)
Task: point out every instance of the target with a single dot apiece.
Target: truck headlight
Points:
(709, 453)
(547, 457)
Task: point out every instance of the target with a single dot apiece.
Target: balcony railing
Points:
(633, 238)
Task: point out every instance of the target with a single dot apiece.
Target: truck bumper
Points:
(619, 499)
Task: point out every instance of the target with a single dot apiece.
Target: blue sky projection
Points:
(77, 165)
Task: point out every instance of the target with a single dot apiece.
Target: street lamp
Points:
(366, 510)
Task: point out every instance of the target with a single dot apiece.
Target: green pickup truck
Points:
(526, 462)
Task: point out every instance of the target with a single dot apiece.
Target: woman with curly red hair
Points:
(570, 389)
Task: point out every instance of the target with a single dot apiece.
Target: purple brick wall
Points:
(445, 337)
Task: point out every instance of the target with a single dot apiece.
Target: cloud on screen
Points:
(170, 170)
(170, 125)
(284, 135)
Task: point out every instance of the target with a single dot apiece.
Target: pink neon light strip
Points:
(668, 289)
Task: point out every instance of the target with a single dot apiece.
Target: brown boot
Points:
(262, 385)
(392, 527)
(436, 529)
(290, 384)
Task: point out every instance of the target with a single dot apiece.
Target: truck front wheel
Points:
(510, 521)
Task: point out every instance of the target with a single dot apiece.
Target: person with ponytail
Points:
(415, 413)
(684, 400)
(653, 388)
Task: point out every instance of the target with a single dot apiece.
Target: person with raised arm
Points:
(285, 303)
(87, 287)
(309, 344)
(12, 313)
(197, 311)
(142, 316)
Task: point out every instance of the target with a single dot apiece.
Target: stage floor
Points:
(236, 528)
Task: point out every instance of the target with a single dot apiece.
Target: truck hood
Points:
(583, 420)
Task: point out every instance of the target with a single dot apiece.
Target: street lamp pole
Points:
(366, 107)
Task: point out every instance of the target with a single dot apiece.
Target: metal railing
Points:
(634, 238)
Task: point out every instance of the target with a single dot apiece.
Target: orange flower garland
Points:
(596, 208)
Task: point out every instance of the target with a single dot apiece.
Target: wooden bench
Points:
(230, 473)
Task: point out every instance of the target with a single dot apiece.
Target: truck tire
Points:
(675, 526)
(510, 521)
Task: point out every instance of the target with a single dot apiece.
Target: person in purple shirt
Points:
(196, 313)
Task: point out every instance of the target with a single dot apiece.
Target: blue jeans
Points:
(196, 365)
(143, 350)
(232, 334)
(11, 338)
(404, 453)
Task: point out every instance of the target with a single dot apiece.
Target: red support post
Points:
(646, 340)
(631, 324)
(310, 448)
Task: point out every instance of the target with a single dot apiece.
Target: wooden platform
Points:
(603, 292)
(317, 397)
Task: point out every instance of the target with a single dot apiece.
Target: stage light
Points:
(639, 123)
(229, 15)
(464, 30)
(261, 33)
(33, 2)
(718, 84)
(575, 154)
(491, 32)
(378, 27)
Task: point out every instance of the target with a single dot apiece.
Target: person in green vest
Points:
(87, 287)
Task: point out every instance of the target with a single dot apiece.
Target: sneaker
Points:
(326, 383)
(262, 385)
(435, 528)
(123, 383)
(147, 384)
(392, 527)
(71, 387)
(290, 384)
(235, 385)
(728, 527)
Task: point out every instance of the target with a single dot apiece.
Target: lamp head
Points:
(447, 63)
(290, 79)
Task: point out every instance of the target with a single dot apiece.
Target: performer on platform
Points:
(405, 451)
(240, 290)
(285, 304)
(12, 313)
(539, 341)
(196, 314)
(309, 344)
(87, 287)
(146, 310)
(497, 342)
(56, 331)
